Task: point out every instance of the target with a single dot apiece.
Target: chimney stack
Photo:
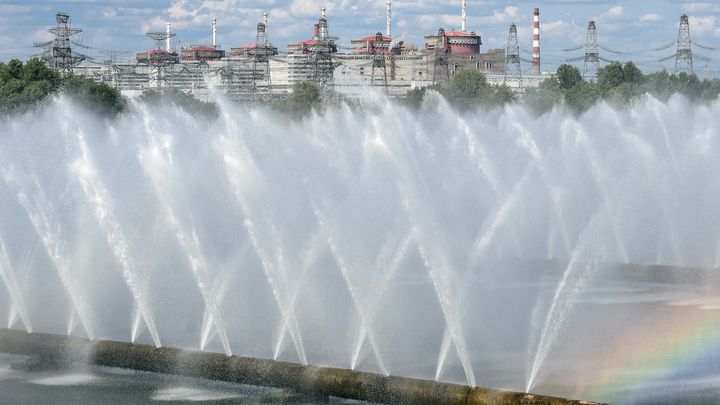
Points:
(323, 25)
(388, 28)
(536, 43)
(214, 32)
(167, 40)
(464, 16)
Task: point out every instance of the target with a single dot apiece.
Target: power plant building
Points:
(201, 53)
(377, 60)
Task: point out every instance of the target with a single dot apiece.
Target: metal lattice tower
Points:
(592, 58)
(160, 59)
(322, 54)
(513, 70)
(441, 68)
(592, 53)
(160, 38)
(684, 55)
(379, 67)
(112, 55)
(57, 53)
(261, 57)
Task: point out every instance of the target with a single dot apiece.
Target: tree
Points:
(582, 96)
(415, 97)
(663, 85)
(468, 88)
(13, 70)
(711, 90)
(610, 76)
(620, 84)
(304, 98)
(503, 95)
(632, 73)
(177, 98)
(568, 76)
(22, 86)
(97, 97)
(689, 85)
(545, 97)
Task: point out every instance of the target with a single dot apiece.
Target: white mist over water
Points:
(433, 244)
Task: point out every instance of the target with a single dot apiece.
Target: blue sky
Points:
(634, 27)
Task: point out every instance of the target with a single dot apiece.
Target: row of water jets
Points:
(378, 201)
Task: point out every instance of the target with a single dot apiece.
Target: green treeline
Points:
(619, 84)
(466, 90)
(24, 86)
(177, 98)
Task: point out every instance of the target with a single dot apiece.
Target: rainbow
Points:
(660, 354)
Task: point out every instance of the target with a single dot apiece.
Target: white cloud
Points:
(306, 8)
(653, 17)
(616, 11)
(508, 13)
(703, 24)
(612, 14)
(554, 26)
(179, 9)
(701, 7)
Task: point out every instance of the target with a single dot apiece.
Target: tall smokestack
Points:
(464, 16)
(265, 21)
(536, 42)
(214, 32)
(167, 40)
(388, 28)
(323, 25)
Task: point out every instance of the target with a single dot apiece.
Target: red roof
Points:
(373, 38)
(460, 34)
(159, 51)
(202, 48)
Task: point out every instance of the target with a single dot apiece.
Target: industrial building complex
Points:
(261, 70)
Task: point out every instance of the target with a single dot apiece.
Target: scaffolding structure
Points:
(322, 53)
(379, 67)
(261, 80)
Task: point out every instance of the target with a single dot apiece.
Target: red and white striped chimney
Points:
(536, 42)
